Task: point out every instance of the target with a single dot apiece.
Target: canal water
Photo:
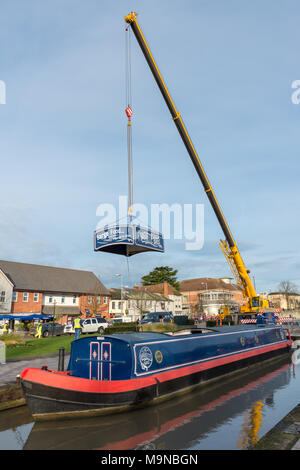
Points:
(230, 414)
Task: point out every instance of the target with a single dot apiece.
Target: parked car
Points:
(154, 317)
(94, 325)
(51, 329)
(89, 325)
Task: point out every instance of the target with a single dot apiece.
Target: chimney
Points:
(165, 289)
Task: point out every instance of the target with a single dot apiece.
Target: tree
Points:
(287, 288)
(162, 274)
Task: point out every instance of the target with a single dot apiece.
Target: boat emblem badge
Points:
(158, 357)
(242, 340)
(145, 358)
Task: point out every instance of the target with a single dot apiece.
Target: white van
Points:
(89, 325)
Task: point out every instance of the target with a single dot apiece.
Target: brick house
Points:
(209, 294)
(63, 293)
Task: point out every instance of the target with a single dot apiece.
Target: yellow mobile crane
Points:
(254, 303)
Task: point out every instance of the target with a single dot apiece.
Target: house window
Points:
(25, 296)
(89, 299)
(15, 297)
(2, 296)
(105, 300)
(119, 305)
(35, 297)
(74, 299)
(50, 299)
(113, 305)
(63, 299)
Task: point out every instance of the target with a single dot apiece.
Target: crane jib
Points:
(182, 131)
(233, 254)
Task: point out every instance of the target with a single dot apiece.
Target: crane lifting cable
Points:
(128, 239)
(128, 112)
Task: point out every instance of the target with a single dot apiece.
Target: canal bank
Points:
(11, 395)
(284, 436)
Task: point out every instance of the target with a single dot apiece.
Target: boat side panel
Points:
(158, 356)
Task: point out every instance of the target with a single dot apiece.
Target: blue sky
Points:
(229, 67)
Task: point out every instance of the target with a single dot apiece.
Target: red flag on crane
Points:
(128, 112)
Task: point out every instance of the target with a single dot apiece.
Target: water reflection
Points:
(229, 414)
(15, 427)
(249, 432)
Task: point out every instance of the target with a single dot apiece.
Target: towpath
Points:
(10, 370)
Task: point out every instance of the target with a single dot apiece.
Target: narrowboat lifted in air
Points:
(115, 373)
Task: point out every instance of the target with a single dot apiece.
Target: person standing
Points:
(77, 328)
(38, 331)
(5, 328)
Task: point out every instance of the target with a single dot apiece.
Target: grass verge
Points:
(17, 346)
(39, 347)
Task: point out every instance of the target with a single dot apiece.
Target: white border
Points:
(102, 344)
(98, 347)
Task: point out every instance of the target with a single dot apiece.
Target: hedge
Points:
(121, 328)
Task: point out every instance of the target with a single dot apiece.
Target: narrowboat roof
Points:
(140, 337)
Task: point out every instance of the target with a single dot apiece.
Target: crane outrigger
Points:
(254, 302)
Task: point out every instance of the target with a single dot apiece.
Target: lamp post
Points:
(121, 277)
(54, 305)
(205, 283)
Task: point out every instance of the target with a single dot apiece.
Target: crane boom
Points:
(228, 246)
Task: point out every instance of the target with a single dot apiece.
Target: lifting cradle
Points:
(128, 239)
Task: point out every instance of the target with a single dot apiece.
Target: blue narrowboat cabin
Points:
(121, 371)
